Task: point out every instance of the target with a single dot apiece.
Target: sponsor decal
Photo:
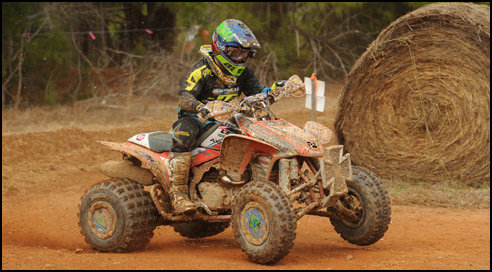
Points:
(226, 94)
(312, 145)
(140, 137)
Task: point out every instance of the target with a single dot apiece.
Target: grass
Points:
(449, 194)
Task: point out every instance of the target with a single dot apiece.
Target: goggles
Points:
(238, 54)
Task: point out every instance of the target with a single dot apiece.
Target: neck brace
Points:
(228, 80)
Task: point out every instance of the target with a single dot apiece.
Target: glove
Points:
(202, 112)
(271, 98)
(276, 89)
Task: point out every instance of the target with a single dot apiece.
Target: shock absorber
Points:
(288, 174)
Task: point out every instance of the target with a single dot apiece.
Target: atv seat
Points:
(161, 141)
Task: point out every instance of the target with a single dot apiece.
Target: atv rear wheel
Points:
(263, 222)
(368, 198)
(117, 215)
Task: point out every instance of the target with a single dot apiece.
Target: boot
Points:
(179, 166)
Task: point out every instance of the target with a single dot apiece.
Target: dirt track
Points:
(45, 173)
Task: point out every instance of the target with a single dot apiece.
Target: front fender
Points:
(320, 132)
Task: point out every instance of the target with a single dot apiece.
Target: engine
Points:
(215, 195)
(217, 189)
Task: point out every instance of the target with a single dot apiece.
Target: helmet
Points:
(232, 43)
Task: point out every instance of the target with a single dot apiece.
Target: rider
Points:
(221, 74)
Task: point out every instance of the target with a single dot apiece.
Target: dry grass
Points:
(442, 194)
(416, 105)
(146, 89)
(92, 115)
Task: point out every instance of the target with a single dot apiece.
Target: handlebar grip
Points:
(205, 118)
(214, 115)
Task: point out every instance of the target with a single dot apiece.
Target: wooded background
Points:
(56, 53)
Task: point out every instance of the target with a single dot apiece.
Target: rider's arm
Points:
(250, 84)
(188, 102)
(190, 88)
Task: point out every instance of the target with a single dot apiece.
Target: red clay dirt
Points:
(45, 173)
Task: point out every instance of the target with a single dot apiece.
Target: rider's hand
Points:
(276, 89)
(203, 112)
(271, 98)
(273, 95)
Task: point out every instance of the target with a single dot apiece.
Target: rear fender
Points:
(155, 162)
(238, 151)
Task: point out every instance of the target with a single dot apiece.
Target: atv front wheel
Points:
(263, 222)
(369, 200)
(117, 215)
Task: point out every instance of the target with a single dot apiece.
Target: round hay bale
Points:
(416, 104)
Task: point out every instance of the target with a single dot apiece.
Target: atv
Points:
(250, 169)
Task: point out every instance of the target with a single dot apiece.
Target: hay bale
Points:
(416, 104)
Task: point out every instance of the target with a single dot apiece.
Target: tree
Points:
(56, 52)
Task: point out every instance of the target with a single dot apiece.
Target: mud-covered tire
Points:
(117, 215)
(374, 215)
(263, 222)
(200, 229)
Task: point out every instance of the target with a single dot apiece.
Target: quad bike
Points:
(251, 169)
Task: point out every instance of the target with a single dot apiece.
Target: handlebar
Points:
(226, 110)
(256, 105)
(216, 114)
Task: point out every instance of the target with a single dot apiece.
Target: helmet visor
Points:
(238, 54)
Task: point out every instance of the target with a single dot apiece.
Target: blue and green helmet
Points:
(232, 43)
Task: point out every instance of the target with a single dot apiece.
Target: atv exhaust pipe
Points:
(225, 179)
(122, 169)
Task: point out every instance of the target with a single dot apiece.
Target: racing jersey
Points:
(204, 86)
